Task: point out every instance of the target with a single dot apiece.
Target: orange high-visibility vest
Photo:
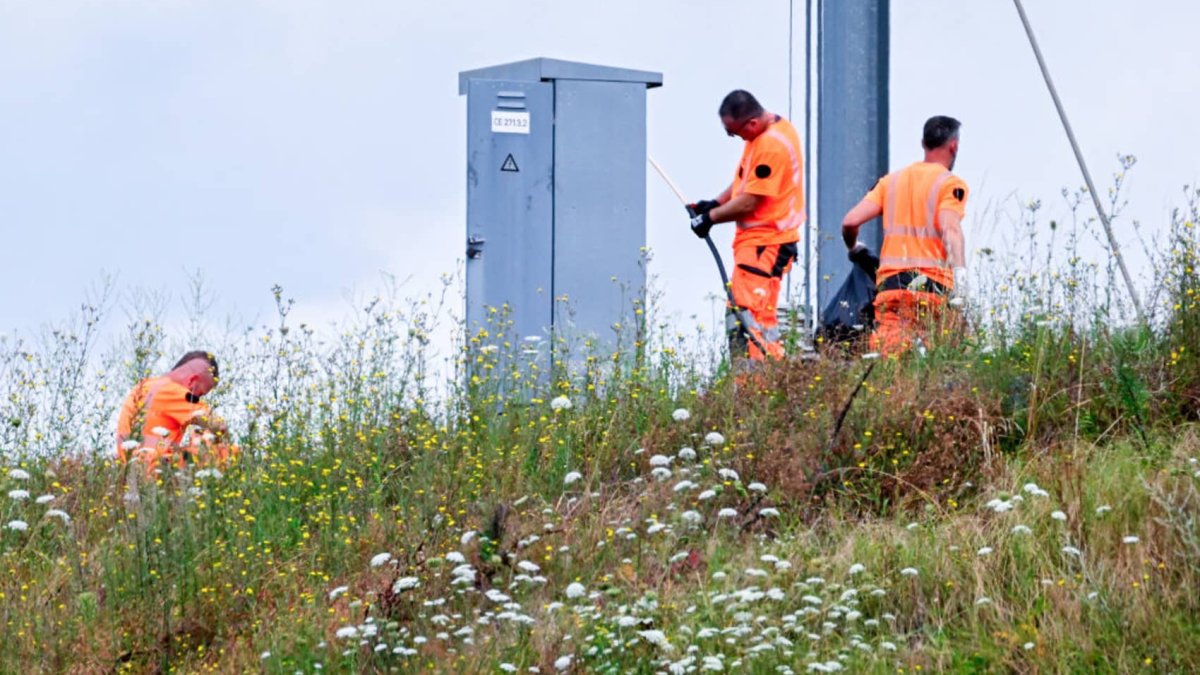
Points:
(911, 199)
(772, 167)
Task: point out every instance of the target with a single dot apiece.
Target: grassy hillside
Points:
(1023, 496)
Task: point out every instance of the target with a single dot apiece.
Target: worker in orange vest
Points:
(921, 261)
(766, 200)
(159, 410)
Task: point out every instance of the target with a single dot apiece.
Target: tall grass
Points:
(1022, 497)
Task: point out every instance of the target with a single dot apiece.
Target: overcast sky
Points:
(318, 144)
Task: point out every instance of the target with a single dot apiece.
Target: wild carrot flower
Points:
(756, 487)
(571, 477)
(455, 557)
(526, 566)
(1022, 529)
(563, 662)
(1059, 515)
(338, 591)
(18, 474)
(56, 513)
(857, 568)
(686, 454)
(1130, 539)
(728, 474)
(1103, 509)
(405, 583)
(681, 415)
(706, 495)
(683, 485)
(656, 638)
(984, 551)
(714, 438)
(983, 600)
(769, 512)
(661, 473)
(380, 559)
(909, 572)
(561, 403)
(18, 495)
(18, 525)
(347, 632)
(1071, 550)
(575, 590)
(727, 513)
(660, 460)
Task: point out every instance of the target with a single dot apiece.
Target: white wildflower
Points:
(467, 537)
(727, 513)
(380, 559)
(496, 596)
(19, 474)
(783, 565)
(1130, 539)
(575, 590)
(1103, 509)
(347, 632)
(857, 568)
(683, 485)
(756, 487)
(870, 356)
(561, 403)
(692, 517)
(1059, 515)
(656, 638)
(984, 551)
(887, 646)
(160, 431)
(769, 512)
(656, 528)
(660, 460)
(681, 415)
(706, 495)
(714, 438)
(45, 499)
(1022, 529)
(571, 477)
(1071, 550)
(999, 505)
(17, 525)
(1028, 646)
(686, 454)
(526, 566)
(661, 473)
(456, 558)
(728, 474)
(983, 600)
(18, 495)
(563, 662)
(405, 583)
(57, 513)
(909, 572)
(1033, 489)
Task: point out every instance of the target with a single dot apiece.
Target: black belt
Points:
(903, 282)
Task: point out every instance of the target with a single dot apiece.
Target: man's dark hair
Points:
(740, 105)
(200, 354)
(939, 130)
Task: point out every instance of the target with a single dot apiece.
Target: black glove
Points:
(861, 255)
(701, 224)
(702, 206)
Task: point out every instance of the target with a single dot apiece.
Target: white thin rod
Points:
(683, 200)
(1087, 176)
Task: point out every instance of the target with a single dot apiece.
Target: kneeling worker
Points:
(158, 411)
(922, 260)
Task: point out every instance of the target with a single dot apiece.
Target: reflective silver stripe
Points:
(912, 231)
(905, 261)
(931, 205)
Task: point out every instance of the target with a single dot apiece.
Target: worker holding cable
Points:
(766, 200)
(921, 261)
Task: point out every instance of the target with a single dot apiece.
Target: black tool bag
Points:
(851, 311)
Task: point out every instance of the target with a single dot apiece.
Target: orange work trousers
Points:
(757, 276)
(902, 316)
